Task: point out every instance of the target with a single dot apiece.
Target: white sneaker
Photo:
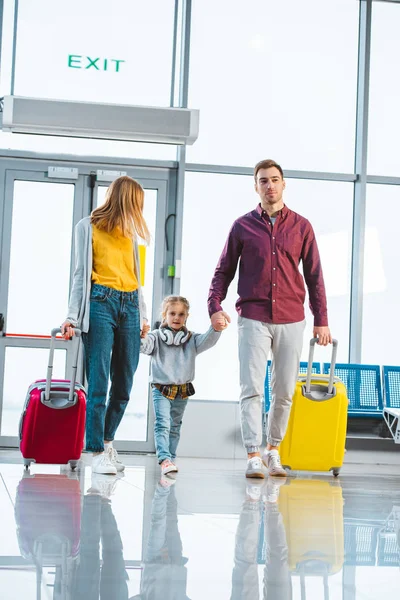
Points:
(101, 464)
(114, 459)
(167, 466)
(272, 461)
(255, 468)
(103, 485)
(253, 490)
(272, 490)
(166, 482)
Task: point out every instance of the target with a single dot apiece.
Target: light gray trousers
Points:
(256, 341)
(277, 579)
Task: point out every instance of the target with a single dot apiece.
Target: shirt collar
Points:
(261, 212)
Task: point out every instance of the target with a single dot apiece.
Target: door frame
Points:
(158, 175)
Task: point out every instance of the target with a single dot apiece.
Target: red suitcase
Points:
(48, 520)
(52, 424)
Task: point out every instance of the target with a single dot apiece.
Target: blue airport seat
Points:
(360, 543)
(388, 550)
(391, 386)
(364, 388)
(316, 368)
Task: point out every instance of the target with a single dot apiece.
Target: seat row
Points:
(370, 388)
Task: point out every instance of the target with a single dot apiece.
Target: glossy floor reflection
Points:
(209, 534)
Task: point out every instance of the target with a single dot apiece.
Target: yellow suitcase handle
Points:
(330, 391)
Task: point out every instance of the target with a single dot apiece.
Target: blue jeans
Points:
(109, 578)
(112, 347)
(164, 574)
(167, 426)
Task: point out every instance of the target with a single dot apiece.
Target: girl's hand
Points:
(145, 330)
(67, 330)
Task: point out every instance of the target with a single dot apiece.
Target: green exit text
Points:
(76, 61)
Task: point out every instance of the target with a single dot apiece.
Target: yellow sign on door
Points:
(142, 262)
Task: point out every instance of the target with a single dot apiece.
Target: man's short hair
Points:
(267, 164)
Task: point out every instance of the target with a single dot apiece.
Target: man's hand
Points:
(323, 334)
(220, 320)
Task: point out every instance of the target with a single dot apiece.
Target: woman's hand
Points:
(67, 330)
(145, 330)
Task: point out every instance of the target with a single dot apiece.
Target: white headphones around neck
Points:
(174, 339)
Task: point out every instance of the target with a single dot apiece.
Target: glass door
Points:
(36, 245)
(38, 216)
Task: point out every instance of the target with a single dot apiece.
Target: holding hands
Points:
(145, 329)
(220, 320)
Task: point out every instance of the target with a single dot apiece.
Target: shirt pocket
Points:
(290, 243)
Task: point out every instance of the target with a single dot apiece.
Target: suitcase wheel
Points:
(335, 472)
(27, 463)
(73, 464)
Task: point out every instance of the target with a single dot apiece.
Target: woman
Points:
(106, 303)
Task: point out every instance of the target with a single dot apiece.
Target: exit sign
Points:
(78, 61)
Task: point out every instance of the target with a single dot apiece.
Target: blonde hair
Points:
(123, 208)
(173, 300)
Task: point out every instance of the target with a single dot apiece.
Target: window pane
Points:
(145, 31)
(40, 256)
(6, 45)
(381, 281)
(226, 197)
(22, 367)
(384, 124)
(275, 79)
(318, 202)
(95, 51)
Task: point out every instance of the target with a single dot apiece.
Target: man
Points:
(261, 509)
(270, 242)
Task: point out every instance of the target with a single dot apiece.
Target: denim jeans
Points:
(112, 347)
(167, 426)
(164, 574)
(110, 579)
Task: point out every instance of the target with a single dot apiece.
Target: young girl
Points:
(173, 350)
(106, 303)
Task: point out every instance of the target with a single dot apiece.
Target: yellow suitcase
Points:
(312, 513)
(316, 434)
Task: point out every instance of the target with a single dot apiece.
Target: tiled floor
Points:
(211, 535)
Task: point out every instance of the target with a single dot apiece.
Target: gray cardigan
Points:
(175, 364)
(79, 301)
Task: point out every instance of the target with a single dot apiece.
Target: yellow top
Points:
(113, 260)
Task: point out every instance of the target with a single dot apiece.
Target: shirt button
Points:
(273, 253)
(273, 300)
(273, 237)
(274, 268)
(274, 284)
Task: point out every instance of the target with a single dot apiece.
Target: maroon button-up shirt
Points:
(271, 287)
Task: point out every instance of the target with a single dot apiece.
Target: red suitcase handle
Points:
(75, 343)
